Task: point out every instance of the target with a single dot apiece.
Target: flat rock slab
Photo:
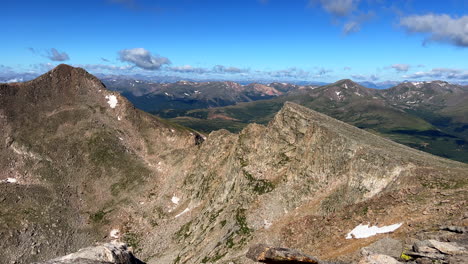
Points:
(268, 254)
(448, 248)
(378, 259)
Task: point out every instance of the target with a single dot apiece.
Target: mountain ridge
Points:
(430, 121)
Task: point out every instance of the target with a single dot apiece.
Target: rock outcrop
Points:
(109, 253)
(272, 255)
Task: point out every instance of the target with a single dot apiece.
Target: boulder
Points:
(448, 248)
(109, 253)
(385, 246)
(268, 254)
(378, 259)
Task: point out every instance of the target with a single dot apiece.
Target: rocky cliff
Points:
(81, 165)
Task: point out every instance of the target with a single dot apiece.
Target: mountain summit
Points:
(79, 164)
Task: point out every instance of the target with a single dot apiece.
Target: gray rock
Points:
(449, 248)
(378, 259)
(424, 247)
(456, 229)
(385, 246)
(267, 254)
(109, 253)
(433, 246)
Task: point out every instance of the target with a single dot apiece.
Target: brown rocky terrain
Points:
(81, 165)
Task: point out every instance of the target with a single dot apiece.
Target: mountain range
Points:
(430, 116)
(79, 164)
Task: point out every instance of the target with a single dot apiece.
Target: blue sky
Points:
(314, 40)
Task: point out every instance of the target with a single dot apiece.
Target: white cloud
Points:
(56, 55)
(223, 69)
(440, 73)
(338, 7)
(361, 77)
(400, 67)
(142, 58)
(351, 27)
(441, 28)
(187, 69)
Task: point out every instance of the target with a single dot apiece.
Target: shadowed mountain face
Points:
(79, 165)
(430, 116)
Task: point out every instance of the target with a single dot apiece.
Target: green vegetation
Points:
(446, 184)
(259, 186)
(98, 216)
(107, 154)
(184, 231)
(133, 240)
(241, 222)
(176, 260)
(213, 259)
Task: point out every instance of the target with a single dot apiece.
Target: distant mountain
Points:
(80, 165)
(379, 85)
(430, 116)
(168, 99)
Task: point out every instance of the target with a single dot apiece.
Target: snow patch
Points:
(175, 200)
(183, 212)
(166, 94)
(363, 231)
(11, 180)
(112, 100)
(345, 86)
(119, 118)
(186, 94)
(114, 233)
(338, 93)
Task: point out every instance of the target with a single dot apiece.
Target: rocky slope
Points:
(81, 166)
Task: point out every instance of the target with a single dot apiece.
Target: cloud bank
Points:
(440, 73)
(439, 28)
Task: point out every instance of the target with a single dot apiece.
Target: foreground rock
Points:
(430, 251)
(378, 259)
(109, 253)
(267, 254)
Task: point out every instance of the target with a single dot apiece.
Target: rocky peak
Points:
(344, 89)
